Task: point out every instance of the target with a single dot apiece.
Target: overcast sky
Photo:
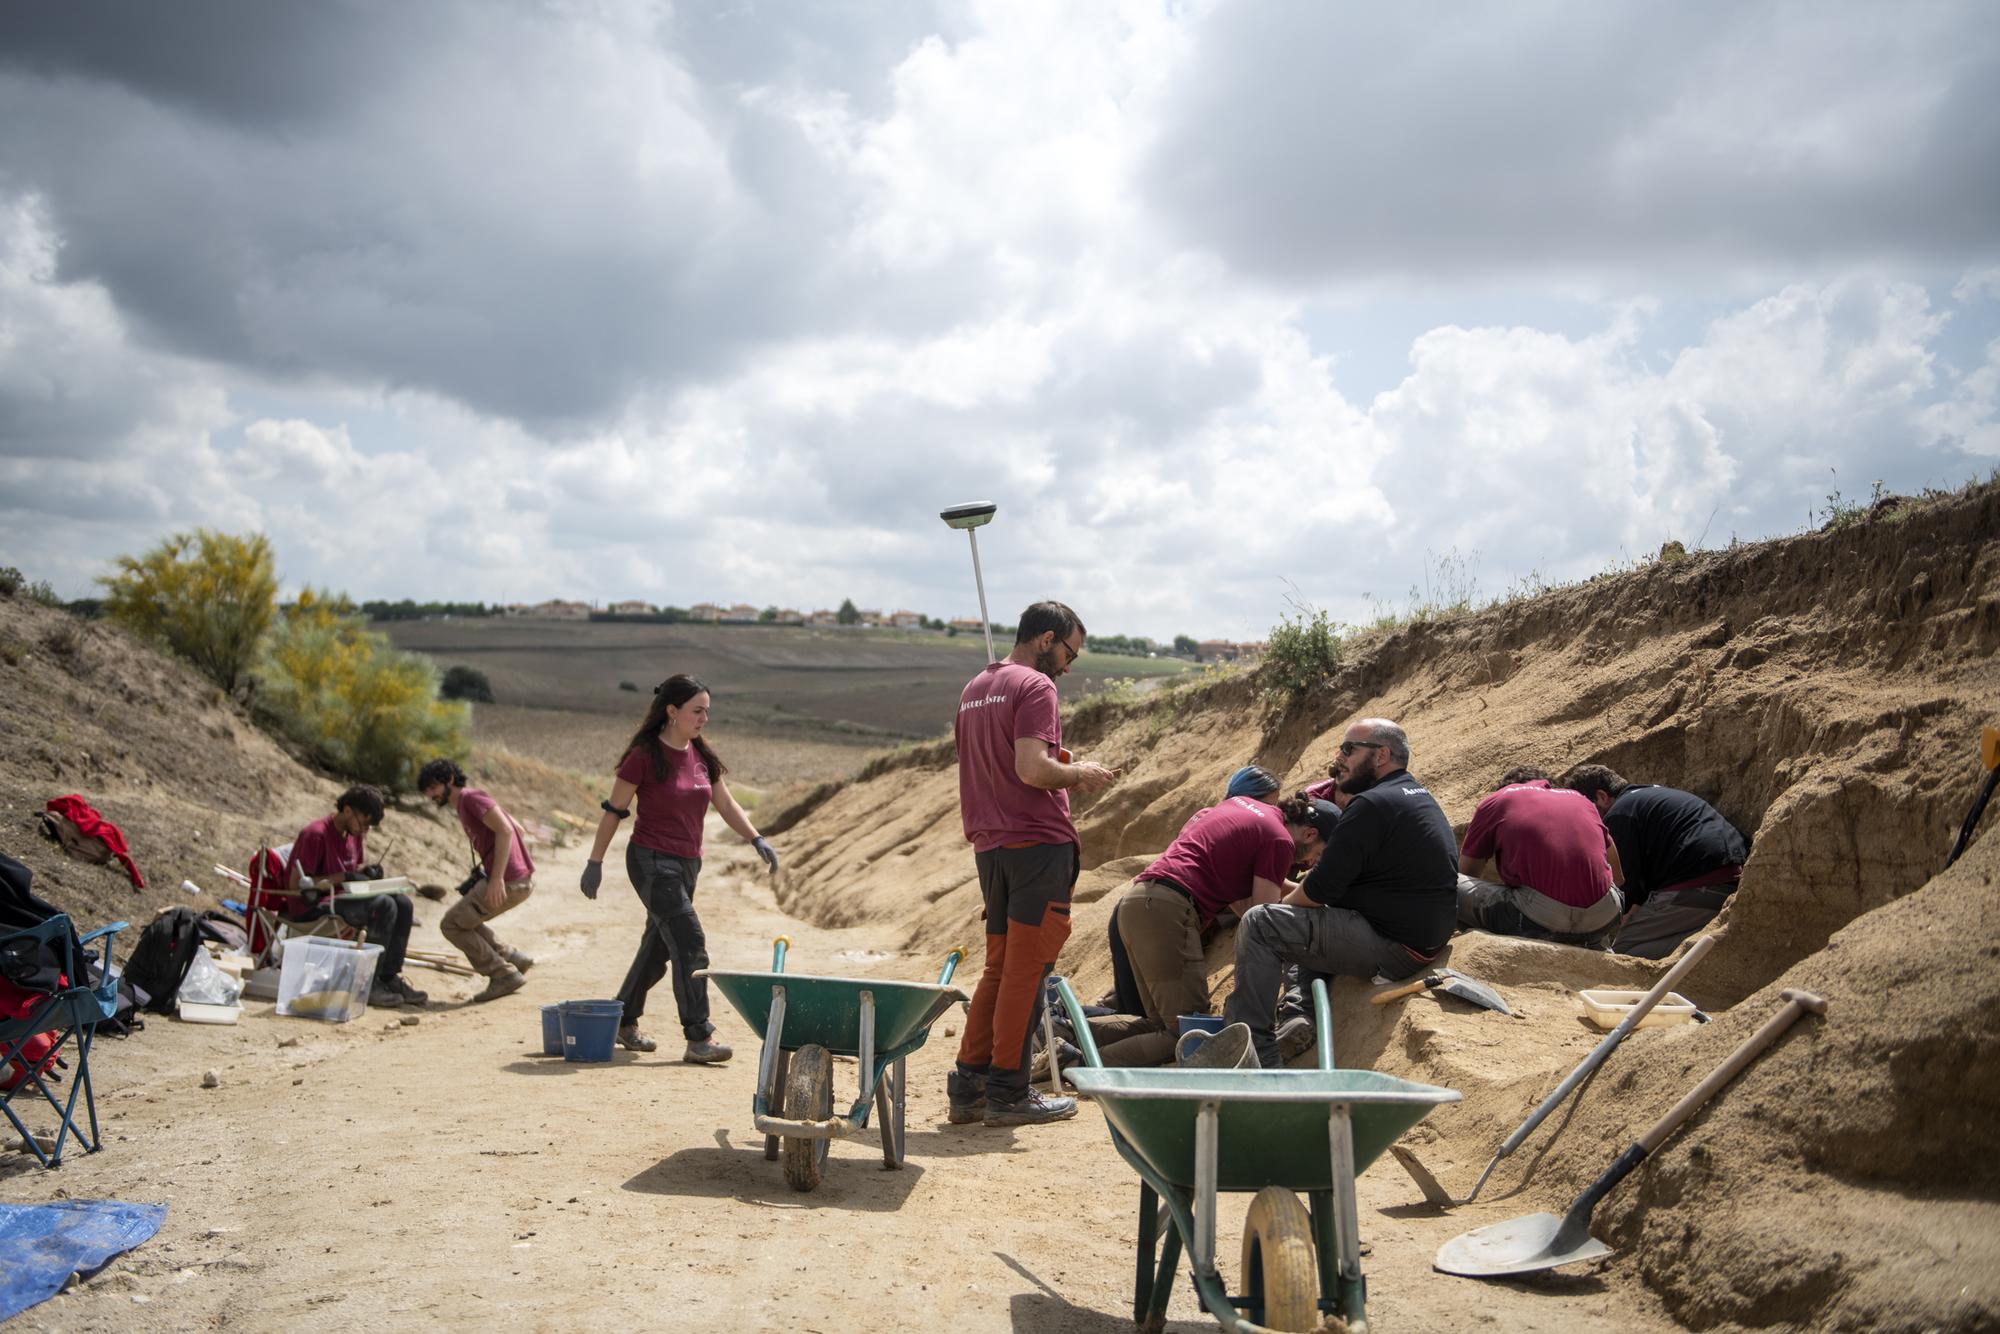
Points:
(1222, 303)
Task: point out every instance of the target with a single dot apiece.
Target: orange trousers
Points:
(1027, 893)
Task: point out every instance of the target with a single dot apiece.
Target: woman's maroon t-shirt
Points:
(670, 812)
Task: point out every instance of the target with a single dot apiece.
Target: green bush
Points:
(358, 705)
(1304, 651)
(468, 683)
(207, 596)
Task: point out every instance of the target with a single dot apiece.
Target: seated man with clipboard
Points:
(328, 872)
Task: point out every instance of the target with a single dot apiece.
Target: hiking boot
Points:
(1295, 1036)
(522, 962)
(967, 1094)
(707, 1051)
(382, 994)
(631, 1039)
(411, 996)
(502, 984)
(1030, 1109)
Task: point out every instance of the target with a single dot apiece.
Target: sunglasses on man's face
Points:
(1349, 747)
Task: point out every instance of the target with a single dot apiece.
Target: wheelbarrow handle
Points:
(778, 947)
(1086, 1041)
(951, 963)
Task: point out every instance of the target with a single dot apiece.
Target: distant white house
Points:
(790, 616)
(633, 608)
(966, 624)
(906, 620)
(704, 611)
(823, 617)
(740, 614)
(556, 609)
(871, 616)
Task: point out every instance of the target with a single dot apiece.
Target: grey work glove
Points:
(593, 876)
(764, 851)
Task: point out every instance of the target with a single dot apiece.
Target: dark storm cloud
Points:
(1336, 142)
(485, 202)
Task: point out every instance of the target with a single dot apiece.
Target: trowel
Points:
(1452, 983)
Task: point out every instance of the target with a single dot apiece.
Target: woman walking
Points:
(676, 776)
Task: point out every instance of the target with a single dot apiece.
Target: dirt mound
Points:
(188, 777)
(1825, 692)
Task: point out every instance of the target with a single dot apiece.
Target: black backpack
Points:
(161, 958)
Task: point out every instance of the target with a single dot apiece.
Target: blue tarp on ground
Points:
(41, 1245)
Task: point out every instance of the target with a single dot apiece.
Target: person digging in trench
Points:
(676, 777)
(506, 879)
(330, 854)
(1228, 858)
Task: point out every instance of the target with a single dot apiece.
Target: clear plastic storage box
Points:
(326, 979)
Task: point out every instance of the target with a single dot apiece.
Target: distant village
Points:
(850, 617)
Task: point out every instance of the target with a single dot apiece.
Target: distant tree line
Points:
(406, 610)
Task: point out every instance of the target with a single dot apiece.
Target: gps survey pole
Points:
(976, 515)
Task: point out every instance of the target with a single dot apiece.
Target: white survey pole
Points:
(969, 517)
(979, 581)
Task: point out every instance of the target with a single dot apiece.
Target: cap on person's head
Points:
(1251, 781)
(1324, 816)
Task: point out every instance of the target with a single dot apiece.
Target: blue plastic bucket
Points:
(1201, 1023)
(590, 1029)
(552, 1039)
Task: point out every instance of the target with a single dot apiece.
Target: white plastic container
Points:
(192, 1013)
(323, 978)
(1607, 1009)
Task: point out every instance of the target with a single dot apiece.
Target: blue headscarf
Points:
(1251, 781)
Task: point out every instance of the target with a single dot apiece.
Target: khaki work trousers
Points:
(1162, 935)
(464, 925)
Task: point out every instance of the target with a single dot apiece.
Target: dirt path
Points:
(384, 1176)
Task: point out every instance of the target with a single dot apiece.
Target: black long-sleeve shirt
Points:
(1392, 858)
(1666, 836)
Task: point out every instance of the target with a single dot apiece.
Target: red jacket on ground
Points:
(81, 814)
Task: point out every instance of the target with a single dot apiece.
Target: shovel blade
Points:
(1524, 1245)
(1477, 992)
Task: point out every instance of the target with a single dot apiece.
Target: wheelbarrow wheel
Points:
(1280, 1276)
(808, 1097)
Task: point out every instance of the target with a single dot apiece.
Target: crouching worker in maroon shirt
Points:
(506, 879)
(1013, 799)
(328, 857)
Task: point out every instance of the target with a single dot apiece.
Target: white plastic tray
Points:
(1607, 1009)
(191, 1013)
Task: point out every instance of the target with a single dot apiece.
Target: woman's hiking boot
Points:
(707, 1051)
(631, 1039)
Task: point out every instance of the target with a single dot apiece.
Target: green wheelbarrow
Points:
(1194, 1133)
(805, 1022)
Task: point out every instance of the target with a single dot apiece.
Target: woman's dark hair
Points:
(440, 771)
(673, 692)
(364, 799)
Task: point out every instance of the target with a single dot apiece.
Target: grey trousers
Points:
(1162, 934)
(1521, 910)
(1329, 941)
(1658, 926)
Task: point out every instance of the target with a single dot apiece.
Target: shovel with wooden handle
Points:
(1543, 1241)
(1452, 983)
(1438, 1195)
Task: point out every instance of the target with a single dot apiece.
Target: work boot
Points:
(706, 1051)
(1030, 1109)
(631, 1039)
(502, 984)
(1295, 1036)
(967, 1093)
(382, 994)
(521, 961)
(411, 996)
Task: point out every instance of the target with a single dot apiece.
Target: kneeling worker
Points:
(1557, 866)
(1682, 858)
(1228, 857)
(327, 856)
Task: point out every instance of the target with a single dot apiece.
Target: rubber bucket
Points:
(552, 1039)
(1230, 1049)
(1201, 1023)
(590, 1029)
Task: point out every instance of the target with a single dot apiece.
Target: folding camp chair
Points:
(275, 912)
(73, 1009)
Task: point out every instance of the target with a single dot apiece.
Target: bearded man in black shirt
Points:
(1381, 902)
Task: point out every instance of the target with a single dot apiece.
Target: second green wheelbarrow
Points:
(1193, 1133)
(805, 1022)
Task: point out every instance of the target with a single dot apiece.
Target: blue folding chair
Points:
(69, 1011)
